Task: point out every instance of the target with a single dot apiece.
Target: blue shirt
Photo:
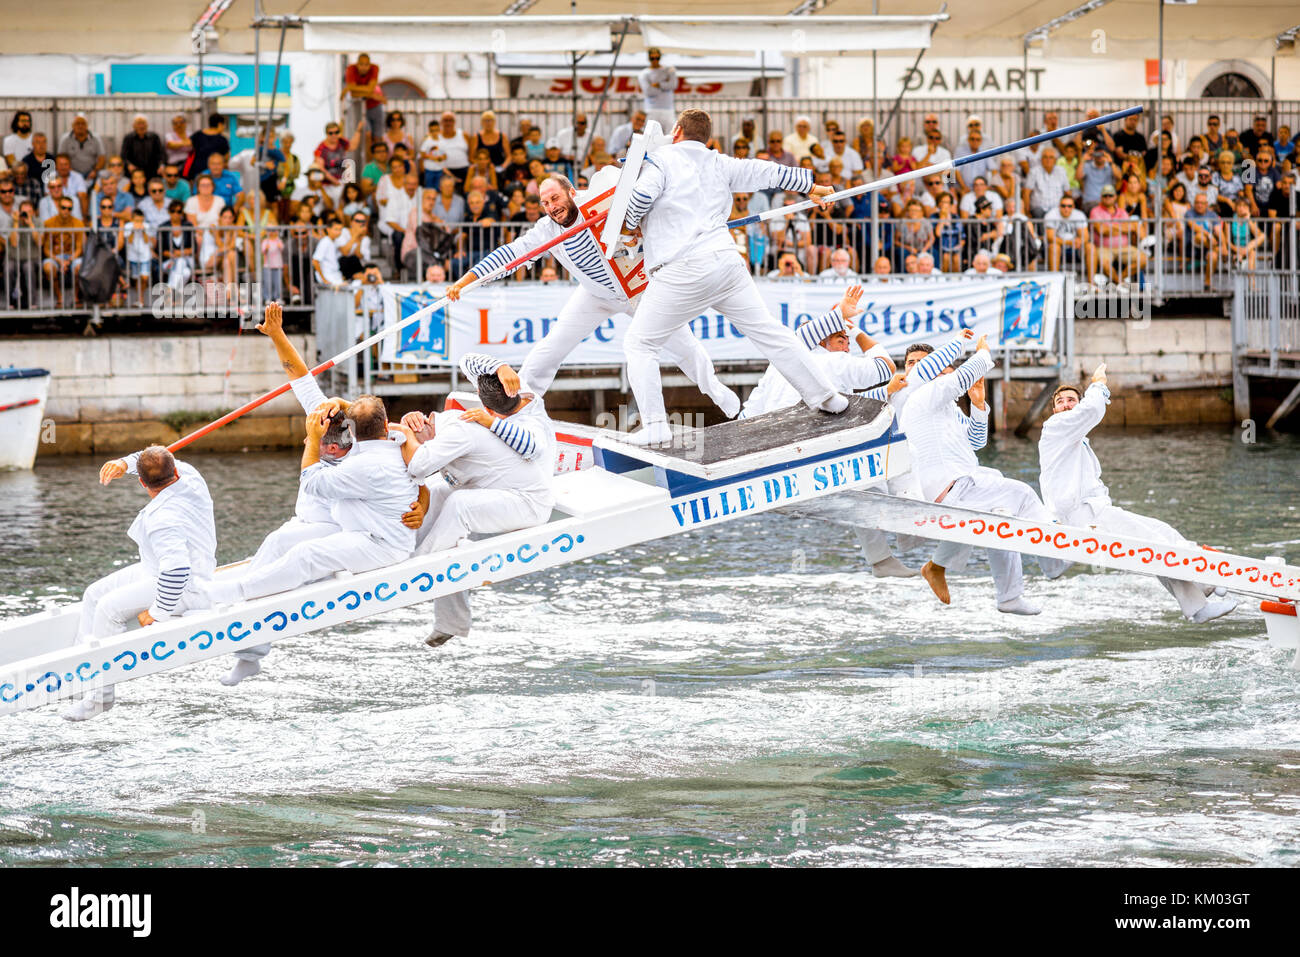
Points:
(180, 191)
(227, 186)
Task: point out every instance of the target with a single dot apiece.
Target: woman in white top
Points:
(203, 210)
(445, 148)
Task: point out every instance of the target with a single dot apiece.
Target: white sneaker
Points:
(891, 567)
(652, 433)
(835, 404)
(244, 668)
(1018, 606)
(88, 707)
(1212, 610)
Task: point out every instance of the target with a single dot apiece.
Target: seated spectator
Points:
(332, 152)
(1283, 210)
(1151, 158)
(493, 200)
(1044, 186)
(986, 167)
(901, 162)
(1066, 231)
(1203, 240)
(1114, 241)
(1175, 207)
(176, 247)
(491, 139)
(449, 207)
(1205, 184)
(325, 258)
(315, 191)
(787, 267)
(790, 233)
(777, 152)
(850, 159)
(203, 209)
(800, 143)
(622, 135)
(1233, 145)
(62, 243)
(573, 138)
(909, 264)
(1258, 135)
(1133, 196)
(352, 201)
(549, 275)
(483, 166)
(925, 265)
(534, 145)
(1129, 139)
(399, 209)
(431, 157)
(515, 171)
(289, 172)
(839, 270)
(1240, 236)
(225, 183)
(980, 190)
(1002, 263)
(85, 149)
(353, 245)
(1199, 153)
(154, 208)
(50, 203)
(1070, 160)
(1096, 171)
(136, 241)
(177, 188)
(950, 237)
(980, 264)
(931, 189)
(1266, 179)
(865, 143)
(914, 234)
(1006, 179)
(554, 162)
(394, 181)
(425, 238)
(73, 183)
(882, 267)
(597, 158)
(1226, 182)
(1017, 236)
(1284, 146)
(932, 151)
(395, 133)
(142, 149)
(139, 188)
(984, 229)
(740, 148)
(532, 210)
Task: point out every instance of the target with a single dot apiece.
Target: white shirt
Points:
(369, 491)
(619, 139)
(657, 87)
(570, 141)
(941, 451)
(471, 456)
(851, 159)
(327, 256)
(398, 210)
(830, 273)
(18, 146)
(967, 204)
(848, 373)
(311, 508)
(176, 529)
(1069, 472)
(1066, 229)
(941, 155)
(683, 197)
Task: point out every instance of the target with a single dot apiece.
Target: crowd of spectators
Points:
(178, 207)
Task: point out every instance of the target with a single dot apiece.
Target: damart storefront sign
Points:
(506, 321)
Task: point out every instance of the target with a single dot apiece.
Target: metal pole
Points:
(492, 59)
(1024, 79)
(762, 89)
(1158, 292)
(579, 156)
(868, 268)
(573, 120)
(257, 166)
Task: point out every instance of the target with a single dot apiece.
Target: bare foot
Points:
(934, 577)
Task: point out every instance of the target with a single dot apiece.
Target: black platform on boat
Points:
(742, 445)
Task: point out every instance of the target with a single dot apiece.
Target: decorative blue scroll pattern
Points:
(236, 631)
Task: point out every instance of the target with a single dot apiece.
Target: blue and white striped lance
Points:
(891, 181)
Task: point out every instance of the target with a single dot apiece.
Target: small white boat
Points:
(787, 459)
(22, 409)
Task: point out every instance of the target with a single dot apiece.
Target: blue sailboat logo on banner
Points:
(430, 337)
(1023, 308)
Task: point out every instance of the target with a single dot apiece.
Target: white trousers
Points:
(681, 291)
(583, 314)
(461, 512)
(110, 606)
(1111, 518)
(987, 490)
(319, 558)
(875, 547)
(291, 533)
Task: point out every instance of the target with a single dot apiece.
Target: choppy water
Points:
(692, 701)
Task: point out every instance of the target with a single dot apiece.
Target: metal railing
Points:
(192, 271)
(1266, 315)
(109, 117)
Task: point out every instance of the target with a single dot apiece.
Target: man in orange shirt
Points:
(62, 245)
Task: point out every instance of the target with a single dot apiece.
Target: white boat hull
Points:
(22, 409)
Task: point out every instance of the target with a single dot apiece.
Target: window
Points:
(1232, 85)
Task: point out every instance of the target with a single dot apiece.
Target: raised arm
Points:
(1076, 423)
(932, 365)
(524, 244)
(272, 325)
(748, 175)
(649, 184)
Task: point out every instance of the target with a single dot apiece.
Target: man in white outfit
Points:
(658, 89)
(948, 471)
(369, 492)
(312, 514)
(177, 538)
(922, 363)
(1072, 487)
(680, 203)
(495, 465)
(603, 292)
(827, 339)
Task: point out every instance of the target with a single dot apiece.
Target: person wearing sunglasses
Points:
(63, 243)
(154, 205)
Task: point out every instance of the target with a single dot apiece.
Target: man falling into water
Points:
(177, 537)
(1072, 487)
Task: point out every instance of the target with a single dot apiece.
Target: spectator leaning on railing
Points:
(361, 82)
